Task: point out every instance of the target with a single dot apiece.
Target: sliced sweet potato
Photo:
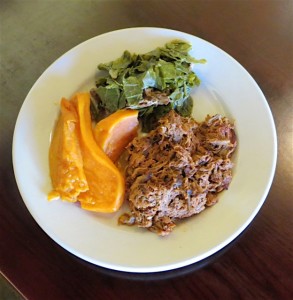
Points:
(106, 183)
(116, 131)
(65, 158)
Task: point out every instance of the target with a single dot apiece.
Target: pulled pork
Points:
(177, 170)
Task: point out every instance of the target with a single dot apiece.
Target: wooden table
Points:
(259, 34)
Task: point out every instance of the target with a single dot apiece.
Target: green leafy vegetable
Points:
(153, 83)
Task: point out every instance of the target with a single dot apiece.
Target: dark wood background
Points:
(259, 34)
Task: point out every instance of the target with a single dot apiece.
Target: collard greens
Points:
(153, 83)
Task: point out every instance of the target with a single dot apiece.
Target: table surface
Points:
(259, 34)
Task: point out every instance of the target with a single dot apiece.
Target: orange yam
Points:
(106, 183)
(65, 159)
(116, 131)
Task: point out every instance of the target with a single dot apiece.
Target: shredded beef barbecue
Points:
(177, 170)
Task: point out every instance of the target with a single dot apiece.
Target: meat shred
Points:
(177, 170)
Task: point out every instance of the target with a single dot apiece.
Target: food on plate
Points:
(153, 83)
(104, 183)
(116, 131)
(65, 158)
(177, 170)
(139, 113)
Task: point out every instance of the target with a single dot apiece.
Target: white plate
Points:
(226, 88)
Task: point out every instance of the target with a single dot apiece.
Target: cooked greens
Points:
(153, 83)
